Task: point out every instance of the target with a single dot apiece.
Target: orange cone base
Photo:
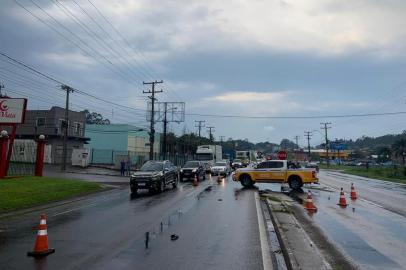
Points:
(311, 208)
(342, 204)
(40, 253)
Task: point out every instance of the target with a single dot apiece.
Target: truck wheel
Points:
(246, 180)
(295, 183)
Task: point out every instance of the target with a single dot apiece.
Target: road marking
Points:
(266, 253)
(73, 209)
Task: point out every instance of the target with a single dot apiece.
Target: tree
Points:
(287, 144)
(95, 118)
(384, 154)
(399, 149)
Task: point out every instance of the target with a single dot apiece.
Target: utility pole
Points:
(1, 87)
(152, 129)
(165, 124)
(211, 133)
(308, 135)
(68, 90)
(326, 126)
(297, 141)
(200, 124)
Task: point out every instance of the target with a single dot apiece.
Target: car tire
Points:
(245, 180)
(161, 186)
(134, 190)
(295, 183)
(175, 183)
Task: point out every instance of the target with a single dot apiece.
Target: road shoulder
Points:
(304, 245)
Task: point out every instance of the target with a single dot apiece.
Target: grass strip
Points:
(393, 174)
(28, 191)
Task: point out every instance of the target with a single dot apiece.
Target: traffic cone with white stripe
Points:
(41, 243)
(353, 194)
(309, 205)
(195, 181)
(342, 202)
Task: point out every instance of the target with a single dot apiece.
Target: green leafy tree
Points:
(399, 149)
(94, 118)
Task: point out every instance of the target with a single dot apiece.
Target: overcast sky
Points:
(250, 58)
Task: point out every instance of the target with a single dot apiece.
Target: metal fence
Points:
(113, 157)
(23, 158)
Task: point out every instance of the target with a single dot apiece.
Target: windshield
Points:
(191, 164)
(220, 164)
(152, 166)
(237, 160)
(204, 156)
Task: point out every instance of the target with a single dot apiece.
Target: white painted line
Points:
(266, 253)
(73, 209)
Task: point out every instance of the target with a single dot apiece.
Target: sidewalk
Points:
(91, 174)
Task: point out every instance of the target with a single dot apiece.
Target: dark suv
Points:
(154, 176)
(192, 169)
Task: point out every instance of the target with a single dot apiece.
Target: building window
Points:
(78, 128)
(40, 121)
(61, 126)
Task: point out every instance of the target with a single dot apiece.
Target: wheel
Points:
(161, 186)
(245, 180)
(134, 190)
(204, 176)
(175, 183)
(295, 183)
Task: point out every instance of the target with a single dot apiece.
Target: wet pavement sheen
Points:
(216, 224)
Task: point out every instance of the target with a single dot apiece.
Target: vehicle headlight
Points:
(181, 170)
(194, 170)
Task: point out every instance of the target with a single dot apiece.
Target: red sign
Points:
(282, 155)
(12, 110)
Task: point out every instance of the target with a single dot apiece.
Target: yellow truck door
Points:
(261, 171)
(277, 170)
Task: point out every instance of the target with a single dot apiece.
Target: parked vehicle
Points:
(154, 176)
(209, 154)
(192, 169)
(312, 165)
(275, 171)
(237, 163)
(221, 168)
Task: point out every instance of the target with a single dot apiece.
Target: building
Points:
(51, 123)
(111, 143)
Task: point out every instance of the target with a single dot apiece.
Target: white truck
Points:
(246, 157)
(209, 154)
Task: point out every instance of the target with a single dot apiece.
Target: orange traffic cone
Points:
(195, 181)
(342, 202)
(353, 194)
(219, 178)
(309, 202)
(41, 243)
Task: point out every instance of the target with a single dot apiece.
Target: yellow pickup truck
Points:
(275, 171)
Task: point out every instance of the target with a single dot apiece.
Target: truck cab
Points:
(209, 154)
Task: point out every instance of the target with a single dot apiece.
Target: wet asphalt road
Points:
(370, 230)
(216, 223)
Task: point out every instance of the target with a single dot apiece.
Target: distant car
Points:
(154, 176)
(192, 169)
(237, 163)
(221, 168)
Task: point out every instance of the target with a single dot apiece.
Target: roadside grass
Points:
(28, 191)
(391, 174)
